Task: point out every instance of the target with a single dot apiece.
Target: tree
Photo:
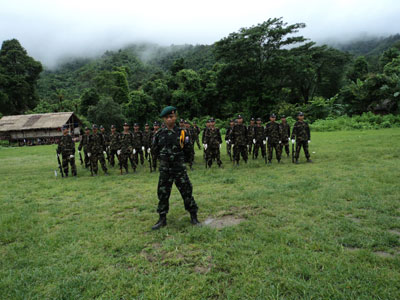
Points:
(18, 76)
(89, 98)
(106, 113)
(141, 108)
(359, 69)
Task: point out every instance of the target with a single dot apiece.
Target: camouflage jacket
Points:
(301, 131)
(259, 133)
(126, 142)
(166, 145)
(204, 134)
(96, 143)
(84, 142)
(250, 133)
(137, 140)
(106, 138)
(147, 138)
(66, 145)
(213, 138)
(273, 132)
(114, 141)
(239, 135)
(196, 131)
(189, 136)
(228, 133)
(285, 130)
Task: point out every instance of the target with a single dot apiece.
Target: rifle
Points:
(149, 159)
(293, 153)
(59, 165)
(80, 157)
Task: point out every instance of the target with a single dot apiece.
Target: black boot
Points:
(162, 222)
(297, 161)
(309, 160)
(193, 219)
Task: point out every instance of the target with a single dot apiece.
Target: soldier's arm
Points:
(308, 132)
(219, 137)
(80, 144)
(294, 131)
(59, 146)
(73, 146)
(288, 130)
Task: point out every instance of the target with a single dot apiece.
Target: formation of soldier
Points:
(134, 147)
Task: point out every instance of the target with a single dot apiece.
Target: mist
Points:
(54, 30)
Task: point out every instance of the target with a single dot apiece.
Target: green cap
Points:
(167, 110)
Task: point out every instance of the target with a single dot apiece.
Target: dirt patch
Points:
(353, 218)
(383, 254)
(223, 222)
(396, 232)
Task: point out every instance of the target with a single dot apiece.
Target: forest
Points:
(269, 67)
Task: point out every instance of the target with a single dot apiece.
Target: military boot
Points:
(297, 161)
(309, 160)
(193, 219)
(162, 222)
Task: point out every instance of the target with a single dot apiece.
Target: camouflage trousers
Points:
(154, 159)
(123, 161)
(86, 159)
(167, 177)
(240, 150)
(94, 159)
(189, 155)
(303, 144)
(271, 147)
(112, 155)
(197, 141)
(139, 152)
(229, 150)
(259, 145)
(66, 160)
(285, 143)
(213, 154)
(251, 146)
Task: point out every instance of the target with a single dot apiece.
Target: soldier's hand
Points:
(254, 141)
(288, 139)
(265, 142)
(220, 145)
(134, 151)
(79, 151)
(309, 141)
(148, 150)
(205, 146)
(292, 141)
(89, 154)
(118, 152)
(71, 156)
(280, 142)
(104, 152)
(142, 148)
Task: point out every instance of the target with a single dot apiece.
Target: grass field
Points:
(326, 230)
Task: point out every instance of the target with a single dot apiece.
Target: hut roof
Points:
(35, 121)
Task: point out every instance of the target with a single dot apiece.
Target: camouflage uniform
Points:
(188, 150)
(84, 144)
(126, 147)
(166, 144)
(95, 148)
(259, 136)
(114, 145)
(66, 147)
(285, 131)
(228, 142)
(202, 141)
(154, 154)
(137, 145)
(250, 137)
(239, 140)
(196, 133)
(147, 139)
(106, 138)
(301, 131)
(213, 140)
(273, 134)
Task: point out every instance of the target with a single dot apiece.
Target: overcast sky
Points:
(52, 29)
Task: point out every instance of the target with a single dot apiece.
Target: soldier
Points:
(301, 131)
(168, 145)
(125, 149)
(156, 127)
(66, 147)
(250, 135)
(203, 139)
(138, 147)
(212, 144)
(285, 131)
(228, 139)
(84, 144)
(196, 133)
(189, 145)
(106, 141)
(147, 139)
(114, 144)
(239, 140)
(273, 137)
(96, 150)
(259, 139)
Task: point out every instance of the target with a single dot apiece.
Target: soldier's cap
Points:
(94, 126)
(258, 119)
(147, 124)
(87, 128)
(186, 122)
(239, 117)
(113, 126)
(212, 120)
(65, 126)
(232, 120)
(300, 114)
(136, 125)
(272, 116)
(167, 110)
(101, 127)
(283, 117)
(126, 124)
(156, 123)
(252, 119)
(181, 121)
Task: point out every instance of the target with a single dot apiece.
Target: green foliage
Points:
(90, 97)
(106, 113)
(18, 75)
(141, 108)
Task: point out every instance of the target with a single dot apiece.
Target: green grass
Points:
(326, 230)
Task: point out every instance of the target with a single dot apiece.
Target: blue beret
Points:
(167, 110)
